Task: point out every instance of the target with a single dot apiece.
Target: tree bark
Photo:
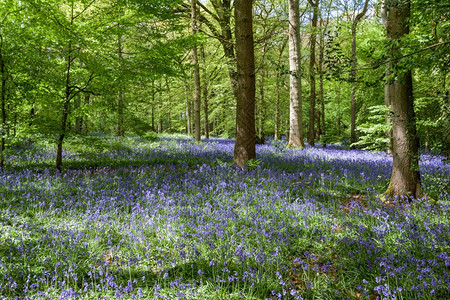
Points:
(65, 111)
(153, 105)
(3, 108)
(244, 148)
(322, 101)
(66, 102)
(261, 105)
(205, 97)
(188, 106)
(120, 96)
(387, 86)
(405, 179)
(79, 119)
(312, 75)
(87, 98)
(358, 18)
(197, 88)
(295, 78)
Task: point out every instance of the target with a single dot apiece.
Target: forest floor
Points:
(172, 219)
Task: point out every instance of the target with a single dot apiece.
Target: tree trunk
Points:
(405, 179)
(353, 100)
(87, 98)
(277, 110)
(358, 17)
(79, 119)
(261, 105)
(153, 105)
(387, 87)
(3, 109)
(120, 96)
(197, 87)
(224, 36)
(188, 106)
(67, 98)
(244, 148)
(312, 75)
(205, 97)
(295, 78)
(322, 101)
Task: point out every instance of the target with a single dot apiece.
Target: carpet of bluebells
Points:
(172, 219)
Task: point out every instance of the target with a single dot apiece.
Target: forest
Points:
(220, 149)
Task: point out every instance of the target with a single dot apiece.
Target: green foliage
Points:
(253, 163)
(373, 133)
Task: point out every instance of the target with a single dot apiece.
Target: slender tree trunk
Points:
(188, 107)
(339, 117)
(318, 118)
(277, 110)
(295, 78)
(312, 75)
(65, 111)
(169, 110)
(405, 179)
(197, 87)
(87, 98)
(358, 18)
(79, 119)
(278, 93)
(66, 103)
(15, 122)
(205, 96)
(261, 106)
(120, 96)
(387, 87)
(244, 148)
(153, 105)
(3, 108)
(227, 38)
(322, 101)
(353, 100)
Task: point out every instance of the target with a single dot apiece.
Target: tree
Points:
(355, 22)
(405, 178)
(197, 87)
(312, 75)
(244, 148)
(295, 102)
(222, 15)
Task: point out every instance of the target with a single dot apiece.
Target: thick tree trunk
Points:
(197, 87)
(405, 179)
(295, 90)
(244, 148)
(312, 75)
